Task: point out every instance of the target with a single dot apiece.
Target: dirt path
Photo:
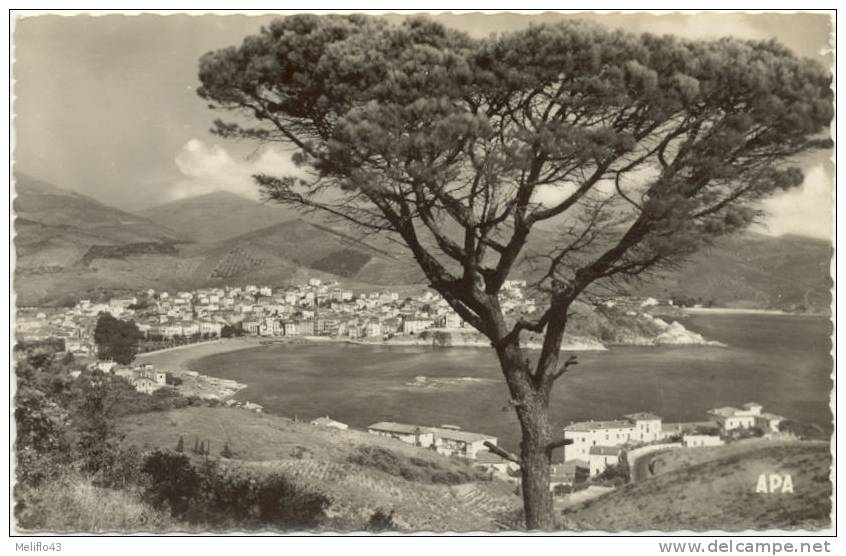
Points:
(641, 468)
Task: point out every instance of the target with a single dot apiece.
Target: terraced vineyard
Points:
(356, 493)
(236, 261)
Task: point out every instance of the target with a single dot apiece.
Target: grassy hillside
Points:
(359, 472)
(715, 488)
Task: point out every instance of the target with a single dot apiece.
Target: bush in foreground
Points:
(73, 503)
(223, 497)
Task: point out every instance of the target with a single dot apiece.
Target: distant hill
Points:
(216, 216)
(754, 271)
(69, 245)
(63, 214)
(57, 231)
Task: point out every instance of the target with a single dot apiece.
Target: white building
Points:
(415, 326)
(119, 305)
(410, 434)
(451, 441)
(212, 328)
(701, 440)
(329, 423)
(770, 422)
(600, 457)
(647, 426)
(105, 366)
(636, 428)
(373, 328)
(731, 418)
(450, 319)
(567, 473)
(494, 462)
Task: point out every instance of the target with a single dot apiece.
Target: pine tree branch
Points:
(501, 453)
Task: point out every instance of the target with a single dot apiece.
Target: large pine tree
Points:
(636, 150)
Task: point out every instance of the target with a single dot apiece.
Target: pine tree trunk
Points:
(531, 403)
(535, 463)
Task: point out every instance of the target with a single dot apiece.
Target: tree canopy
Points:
(587, 155)
(638, 148)
(116, 340)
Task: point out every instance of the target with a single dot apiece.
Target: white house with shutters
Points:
(635, 428)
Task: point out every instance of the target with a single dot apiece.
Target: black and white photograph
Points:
(422, 272)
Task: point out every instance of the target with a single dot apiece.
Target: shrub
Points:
(614, 475)
(226, 497)
(118, 466)
(802, 430)
(381, 521)
(73, 503)
(174, 482)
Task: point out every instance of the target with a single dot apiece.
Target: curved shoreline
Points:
(181, 358)
(177, 358)
(184, 361)
(741, 311)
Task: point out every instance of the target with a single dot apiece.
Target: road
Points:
(640, 468)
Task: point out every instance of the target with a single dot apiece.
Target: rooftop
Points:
(771, 416)
(727, 411)
(587, 426)
(642, 416)
(387, 426)
(461, 436)
(325, 421)
(604, 451)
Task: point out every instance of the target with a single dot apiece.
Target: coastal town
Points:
(315, 309)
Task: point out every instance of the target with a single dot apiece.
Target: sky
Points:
(106, 105)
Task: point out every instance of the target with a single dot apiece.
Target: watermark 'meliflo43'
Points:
(773, 483)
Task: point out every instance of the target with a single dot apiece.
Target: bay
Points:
(780, 361)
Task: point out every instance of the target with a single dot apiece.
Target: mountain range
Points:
(69, 246)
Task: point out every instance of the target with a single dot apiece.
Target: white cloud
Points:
(206, 168)
(805, 210)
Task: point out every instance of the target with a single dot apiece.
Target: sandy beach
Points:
(177, 358)
(733, 311)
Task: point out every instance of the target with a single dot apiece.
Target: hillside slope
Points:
(57, 235)
(702, 489)
(216, 216)
(83, 218)
(754, 271)
(232, 240)
(69, 246)
(323, 460)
